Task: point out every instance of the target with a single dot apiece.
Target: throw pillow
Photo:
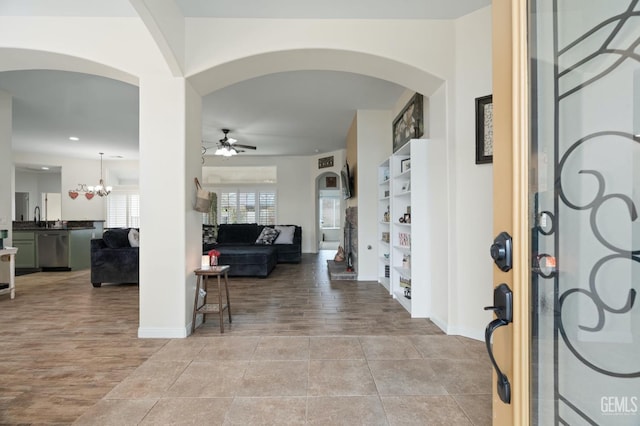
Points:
(286, 234)
(267, 236)
(116, 238)
(134, 237)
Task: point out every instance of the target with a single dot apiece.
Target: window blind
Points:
(123, 209)
(241, 207)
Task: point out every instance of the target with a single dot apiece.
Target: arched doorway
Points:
(330, 211)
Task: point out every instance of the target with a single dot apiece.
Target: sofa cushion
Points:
(285, 235)
(134, 237)
(238, 233)
(208, 234)
(116, 237)
(267, 236)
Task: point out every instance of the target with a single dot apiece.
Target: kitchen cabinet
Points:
(26, 244)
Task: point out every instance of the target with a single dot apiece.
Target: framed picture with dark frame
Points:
(405, 165)
(484, 129)
(409, 124)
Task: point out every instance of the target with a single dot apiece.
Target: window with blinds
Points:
(123, 209)
(248, 207)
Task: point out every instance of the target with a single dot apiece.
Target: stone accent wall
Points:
(351, 234)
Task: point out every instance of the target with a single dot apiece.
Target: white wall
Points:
(443, 225)
(374, 145)
(6, 163)
(473, 283)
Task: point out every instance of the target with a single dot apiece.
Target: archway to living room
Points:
(239, 75)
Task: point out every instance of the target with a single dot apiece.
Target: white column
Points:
(6, 164)
(170, 230)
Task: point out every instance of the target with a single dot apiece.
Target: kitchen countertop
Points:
(75, 228)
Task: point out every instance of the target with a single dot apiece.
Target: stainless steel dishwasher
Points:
(53, 250)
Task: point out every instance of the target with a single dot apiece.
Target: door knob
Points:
(502, 251)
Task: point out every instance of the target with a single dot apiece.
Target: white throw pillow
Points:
(134, 238)
(286, 234)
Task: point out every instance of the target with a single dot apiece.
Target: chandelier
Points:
(101, 189)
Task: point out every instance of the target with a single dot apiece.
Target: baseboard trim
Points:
(163, 333)
(466, 332)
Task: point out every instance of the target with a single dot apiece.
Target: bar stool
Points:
(203, 275)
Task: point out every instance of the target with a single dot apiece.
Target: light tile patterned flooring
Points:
(300, 350)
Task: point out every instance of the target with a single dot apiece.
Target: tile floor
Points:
(301, 350)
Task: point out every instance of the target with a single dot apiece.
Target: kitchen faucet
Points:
(36, 215)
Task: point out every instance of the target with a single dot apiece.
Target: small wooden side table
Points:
(203, 275)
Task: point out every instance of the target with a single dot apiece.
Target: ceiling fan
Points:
(228, 147)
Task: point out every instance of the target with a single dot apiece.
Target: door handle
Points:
(503, 308)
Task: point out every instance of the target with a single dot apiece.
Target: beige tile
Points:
(463, 376)
(281, 348)
(179, 350)
(188, 411)
(477, 408)
(475, 348)
(388, 347)
(209, 379)
(336, 348)
(150, 380)
(229, 348)
(116, 412)
(267, 411)
(424, 411)
(440, 347)
(406, 377)
(275, 378)
(340, 377)
(346, 411)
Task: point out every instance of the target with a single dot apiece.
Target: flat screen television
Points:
(347, 182)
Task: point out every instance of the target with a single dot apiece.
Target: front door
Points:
(567, 188)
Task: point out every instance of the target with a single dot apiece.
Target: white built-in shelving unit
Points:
(384, 224)
(405, 260)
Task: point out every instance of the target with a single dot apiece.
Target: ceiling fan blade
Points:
(237, 145)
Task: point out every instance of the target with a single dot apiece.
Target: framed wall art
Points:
(484, 129)
(409, 124)
(325, 162)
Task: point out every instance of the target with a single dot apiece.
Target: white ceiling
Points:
(292, 113)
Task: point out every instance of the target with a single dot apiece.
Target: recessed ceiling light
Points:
(74, 138)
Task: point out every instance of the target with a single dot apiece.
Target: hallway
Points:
(300, 350)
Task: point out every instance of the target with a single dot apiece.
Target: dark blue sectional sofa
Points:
(238, 248)
(113, 260)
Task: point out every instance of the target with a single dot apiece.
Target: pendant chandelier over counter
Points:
(89, 191)
(101, 189)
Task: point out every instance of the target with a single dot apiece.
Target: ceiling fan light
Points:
(220, 151)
